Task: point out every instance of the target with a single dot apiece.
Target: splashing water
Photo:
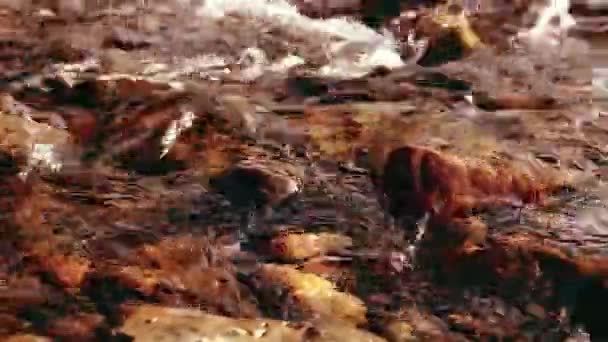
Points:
(353, 48)
(412, 249)
(551, 26)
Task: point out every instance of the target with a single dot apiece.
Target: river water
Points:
(599, 60)
(599, 51)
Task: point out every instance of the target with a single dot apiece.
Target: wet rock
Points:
(183, 271)
(27, 338)
(303, 246)
(317, 297)
(67, 270)
(139, 121)
(9, 105)
(354, 126)
(271, 182)
(153, 322)
(70, 8)
(149, 323)
(513, 101)
(15, 5)
(439, 80)
(424, 166)
(337, 270)
(240, 114)
(398, 331)
(20, 293)
(536, 310)
(424, 325)
(68, 49)
(463, 234)
(376, 13)
(153, 144)
(450, 37)
(39, 145)
(321, 9)
(115, 60)
(76, 328)
(257, 185)
(10, 324)
(126, 39)
(332, 331)
(392, 263)
(81, 123)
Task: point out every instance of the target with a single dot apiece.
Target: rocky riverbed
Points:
(260, 171)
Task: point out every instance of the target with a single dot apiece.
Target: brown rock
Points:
(261, 183)
(69, 271)
(398, 331)
(508, 101)
(149, 323)
(416, 180)
(127, 39)
(312, 295)
(303, 246)
(336, 271)
(119, 61)
(256, 185)
(27, 338)
(70, 8)
(536, 310)
(80, 327)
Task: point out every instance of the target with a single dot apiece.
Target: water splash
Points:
(551, 27)
(353, 48)
(412, 249)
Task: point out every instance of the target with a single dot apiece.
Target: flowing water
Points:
(106, 217)
(599, 51)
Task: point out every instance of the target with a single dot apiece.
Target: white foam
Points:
(353, 48)
(544, 33)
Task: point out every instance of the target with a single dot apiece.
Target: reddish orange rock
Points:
(70, 271)
(413, 180)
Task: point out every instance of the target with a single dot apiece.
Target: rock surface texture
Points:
(403, 171)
